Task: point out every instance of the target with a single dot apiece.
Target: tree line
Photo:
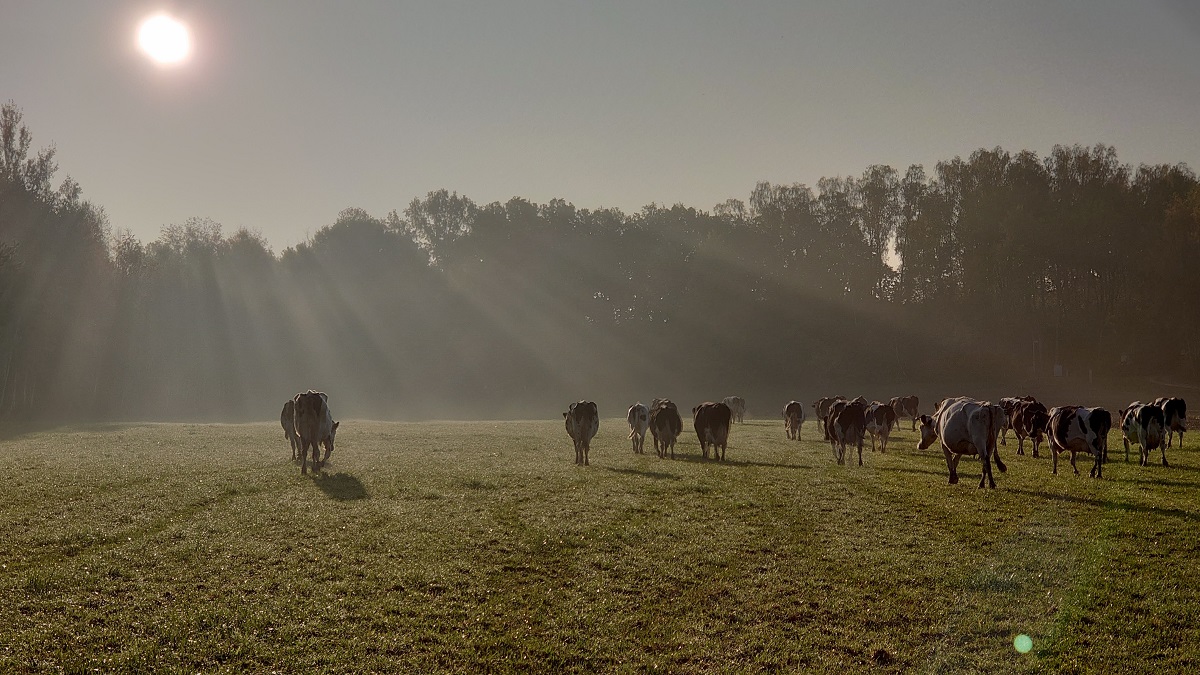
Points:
(991, 267)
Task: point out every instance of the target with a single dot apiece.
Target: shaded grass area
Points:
(468, 547)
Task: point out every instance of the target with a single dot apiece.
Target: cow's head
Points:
(928, 432)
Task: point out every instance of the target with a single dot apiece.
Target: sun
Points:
(164, 39)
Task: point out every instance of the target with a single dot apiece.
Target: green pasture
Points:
(480, 547)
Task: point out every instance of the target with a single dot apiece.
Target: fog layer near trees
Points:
(997, 272)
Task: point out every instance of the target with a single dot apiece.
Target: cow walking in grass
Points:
(793, 418)
(880, 418)
(287, 420)
(582, 421)
(665, 426)
(711, 421)
(639, 422)
(846, 424)
(314, 427)
(1175, 413)
(1076, 429)
(965, 427)
(1145, 425)
(906, 406)
(737, 407)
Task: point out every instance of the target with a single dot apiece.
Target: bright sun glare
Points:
(164, 39)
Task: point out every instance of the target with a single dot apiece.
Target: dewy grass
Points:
(472, 547)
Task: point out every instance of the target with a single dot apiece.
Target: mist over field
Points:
(1005, 272)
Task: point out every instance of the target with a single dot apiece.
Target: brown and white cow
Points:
(1175, 411)
(639, 421)
(1029, 420)
(582, 421)
(1010, 403)
(1145, 425)
(965, 426)
(821, 407)
(314, 427)
(1076, 429)
(287, 420)
(665, 425)
(711, 421)
(846, 424)
(906, 406)
(737, 407)
(880, 418)
(793, 419)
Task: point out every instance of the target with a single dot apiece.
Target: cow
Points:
(711, 421)
(879, 420)
(821, 406)
(793, 418)
(665, 426)
(1029, 420)
(1010, 403)
(737, 407)
(314, 427)
(965, 427)
(1076, 429)
(639, 422)
(1145, 425)
(846, 424)
(287, 419)
(582, 422)
(906, 406)
(1175, 411)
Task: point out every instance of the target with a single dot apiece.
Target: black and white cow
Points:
(846, 425)
(906, 406)
(1076, 429)
(1145, 425)
(737, 407)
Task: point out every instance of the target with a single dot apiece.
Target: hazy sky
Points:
(289, 111)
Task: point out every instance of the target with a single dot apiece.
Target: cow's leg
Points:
(586, 447)
(985, 470)
(1126, 442)
(860, 444)
(1164, 453)
(1073, 467)
(304, 457)
(1004, 436)
(1020, 443)
(951, 465)
(1098, 465)
(316, 457)
(328, 449)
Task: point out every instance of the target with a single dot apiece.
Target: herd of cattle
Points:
(964, 426)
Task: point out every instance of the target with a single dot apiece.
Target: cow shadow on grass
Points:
(341, 486)
(656, 475)
(699, 459)
(1108, 505)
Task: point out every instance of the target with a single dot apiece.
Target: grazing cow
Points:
(1175, 411)
(639, 422)
(711, 421)
(965, 427)
(1010, 403)
(665, 426)
(1076, 429)
(737, 407)
(1145, 425)
(314, 427)
(906, 406)
(582, 422)
(287, 419)
(846, 424)
(1029, 420)
(793, 418)
(821, 406)
(880, 418)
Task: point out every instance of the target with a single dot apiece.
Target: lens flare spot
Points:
(1023, 643)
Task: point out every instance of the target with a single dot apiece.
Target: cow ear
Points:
(564, 414)
(335, 425)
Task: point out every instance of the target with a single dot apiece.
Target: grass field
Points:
(479, 546)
